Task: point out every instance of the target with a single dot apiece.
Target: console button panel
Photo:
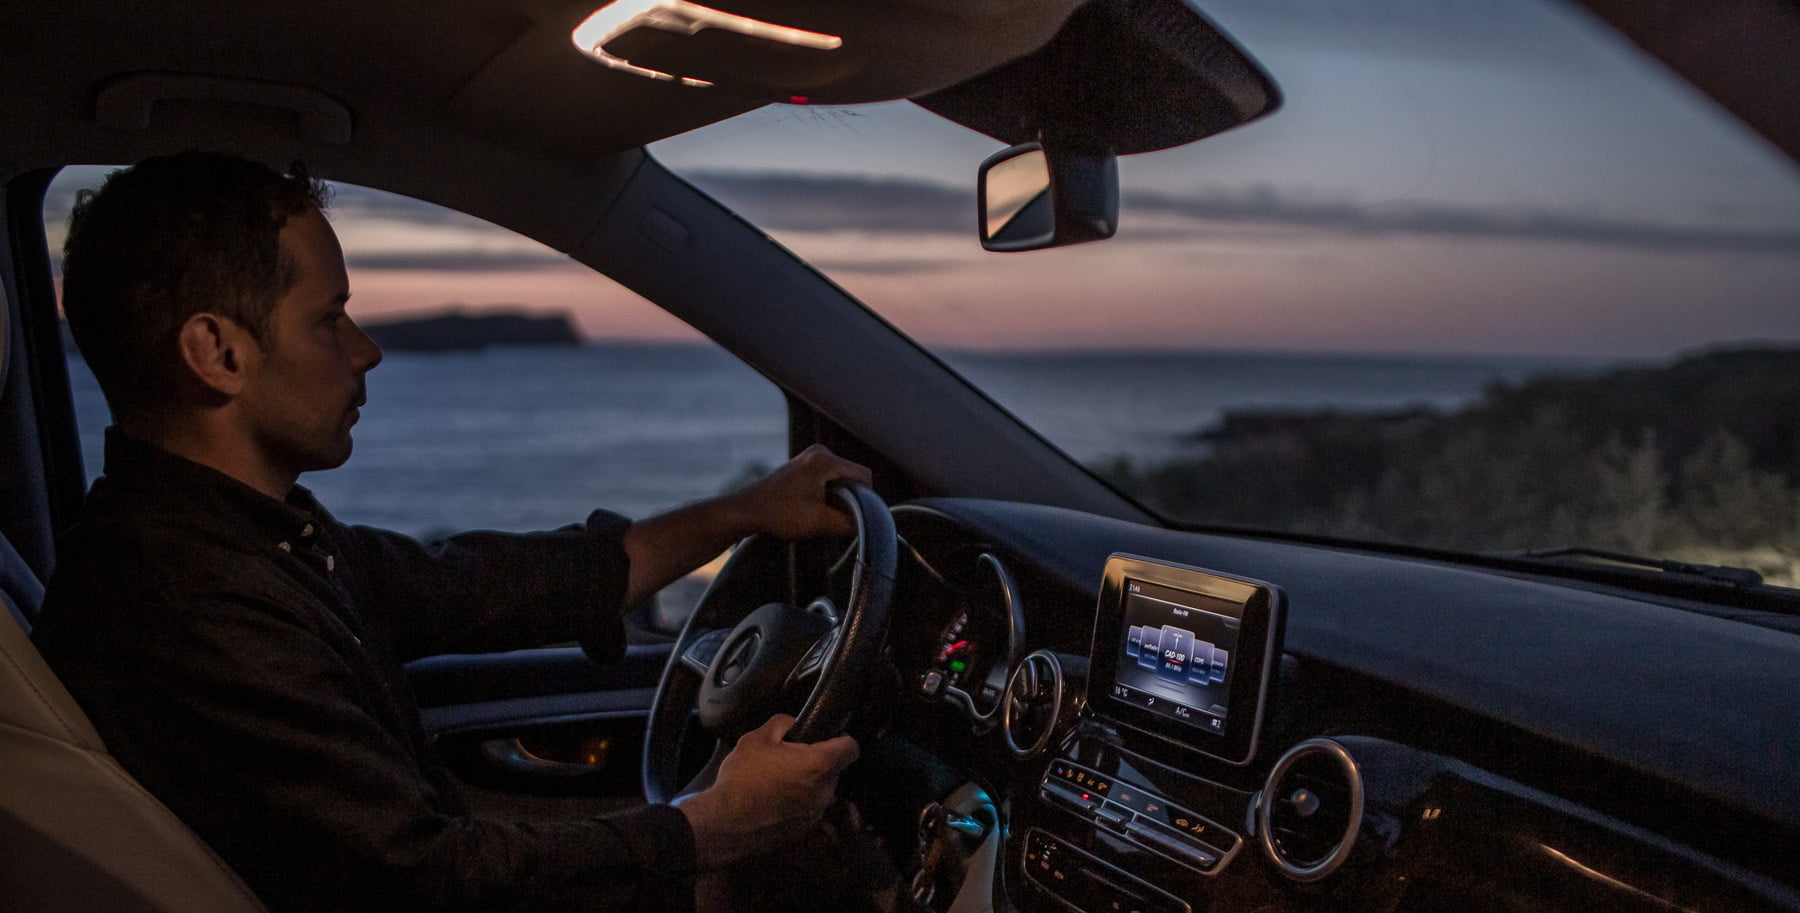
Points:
(1140, 816)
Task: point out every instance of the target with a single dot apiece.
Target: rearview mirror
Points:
(1032, 198)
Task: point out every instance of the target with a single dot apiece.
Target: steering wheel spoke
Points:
(703, 649)
(710, 772)
(814, 660)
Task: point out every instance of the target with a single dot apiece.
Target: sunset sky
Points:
(1445, 176)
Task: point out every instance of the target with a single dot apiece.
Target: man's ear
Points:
(217, 352)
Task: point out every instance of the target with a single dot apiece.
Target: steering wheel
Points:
(734, 670)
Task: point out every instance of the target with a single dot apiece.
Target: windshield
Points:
(1489, 280)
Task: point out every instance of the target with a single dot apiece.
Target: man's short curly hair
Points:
(168, 238)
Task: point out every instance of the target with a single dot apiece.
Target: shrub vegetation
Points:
(1698, 460)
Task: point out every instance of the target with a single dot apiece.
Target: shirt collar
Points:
(191, 494)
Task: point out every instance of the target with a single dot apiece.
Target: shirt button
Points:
(330, 564)
(306, 530)
(284, 546)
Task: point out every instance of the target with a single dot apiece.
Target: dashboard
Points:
(1103, 717)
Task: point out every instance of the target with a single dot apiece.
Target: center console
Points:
(1145, 804)
(1184, 655)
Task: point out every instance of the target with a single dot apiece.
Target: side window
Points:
(487, 421)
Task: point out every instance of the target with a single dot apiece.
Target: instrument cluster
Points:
(980, 639)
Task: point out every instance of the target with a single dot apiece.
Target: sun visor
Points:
(815, 52)
(1121, 76)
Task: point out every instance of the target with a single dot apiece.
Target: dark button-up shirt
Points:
(241, 657)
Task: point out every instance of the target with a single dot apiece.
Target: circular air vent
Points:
(1310, 809)
(1033, 694)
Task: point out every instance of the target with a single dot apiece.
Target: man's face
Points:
(308, 383)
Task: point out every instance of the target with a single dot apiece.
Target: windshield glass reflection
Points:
(1490, 280)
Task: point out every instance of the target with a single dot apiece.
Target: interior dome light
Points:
(678, 19)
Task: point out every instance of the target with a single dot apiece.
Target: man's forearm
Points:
(792, 502)
(664, 547)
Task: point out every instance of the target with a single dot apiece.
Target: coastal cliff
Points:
(460, 331)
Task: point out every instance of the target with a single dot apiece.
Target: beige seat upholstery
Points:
(77, 833)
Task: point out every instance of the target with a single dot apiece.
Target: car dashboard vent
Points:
(1310, 809)
(1034, 693)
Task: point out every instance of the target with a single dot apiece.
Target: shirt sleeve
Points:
(258, 728)
(482, 592)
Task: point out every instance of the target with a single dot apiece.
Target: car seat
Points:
(76, 831)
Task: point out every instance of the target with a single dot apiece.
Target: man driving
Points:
(241, 651)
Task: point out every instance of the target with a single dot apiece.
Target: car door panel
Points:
(541, 734)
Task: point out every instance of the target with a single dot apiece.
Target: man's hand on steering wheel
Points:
(741, 654)
(792, 502)
(768, 792)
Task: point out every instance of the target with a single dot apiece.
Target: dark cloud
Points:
(1511, 35)
(1268, 206)
(351, 200)
(779, 202)
(458, 261)
(346, 199)
(59, 199)
(810, 203)
(446, 261)
(804, 202)
(899, 266)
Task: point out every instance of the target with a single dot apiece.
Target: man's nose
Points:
(365, 352)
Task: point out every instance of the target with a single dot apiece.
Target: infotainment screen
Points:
(1184, 654)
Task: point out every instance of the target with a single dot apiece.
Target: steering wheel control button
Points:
(1084, 882)
(700, 653)
(815, 657)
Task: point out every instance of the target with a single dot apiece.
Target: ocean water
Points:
(1149, 405)
(532, 438)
